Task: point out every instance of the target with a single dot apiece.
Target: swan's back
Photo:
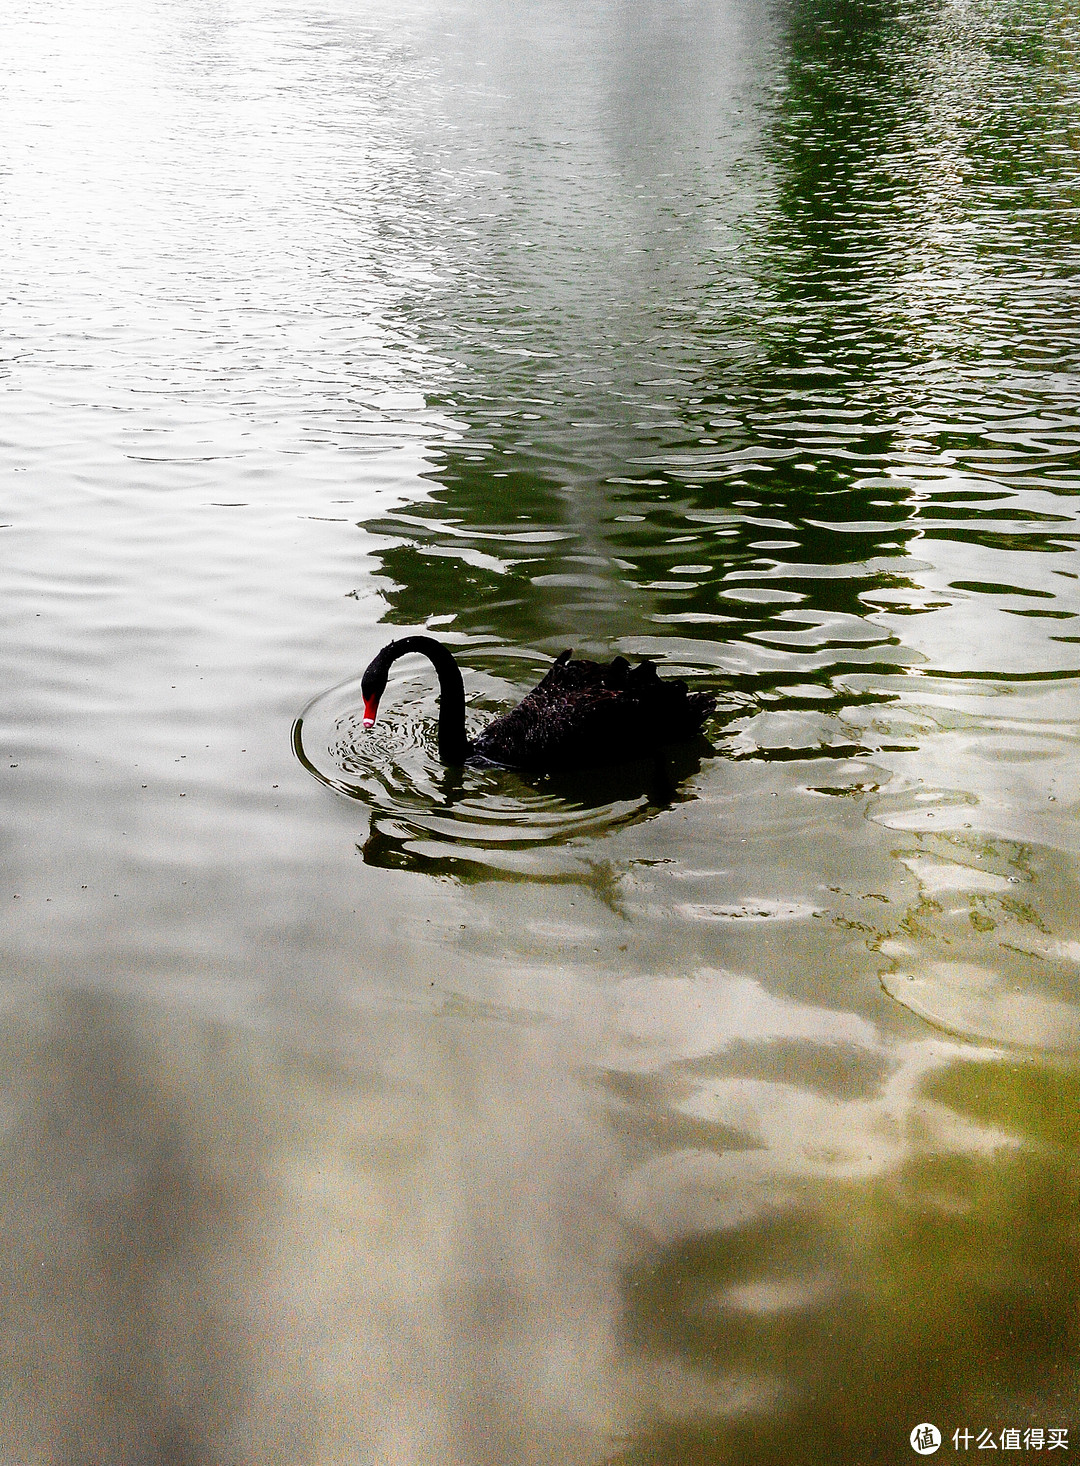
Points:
(586, 713)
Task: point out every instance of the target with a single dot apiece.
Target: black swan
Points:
(582, 712)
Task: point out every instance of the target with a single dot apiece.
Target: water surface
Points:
(720, 1112)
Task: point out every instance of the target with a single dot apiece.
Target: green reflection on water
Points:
(947, 1292)
(847, 454)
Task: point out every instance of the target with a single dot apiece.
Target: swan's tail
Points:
(703, 704)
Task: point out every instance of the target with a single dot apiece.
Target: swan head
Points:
(373, 685)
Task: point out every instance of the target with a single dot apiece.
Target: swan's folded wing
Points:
(576, 718)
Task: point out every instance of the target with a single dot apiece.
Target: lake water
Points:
(393, 1116)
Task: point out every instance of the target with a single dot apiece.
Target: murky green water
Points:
(723, 1114)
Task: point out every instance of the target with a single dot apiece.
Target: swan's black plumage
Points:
(582, 713)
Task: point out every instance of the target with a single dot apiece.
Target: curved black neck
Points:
(453, 745)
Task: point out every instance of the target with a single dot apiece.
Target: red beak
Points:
(371, 707)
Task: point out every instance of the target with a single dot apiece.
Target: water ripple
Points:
(424, 816)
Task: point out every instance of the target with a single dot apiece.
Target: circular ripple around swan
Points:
(425, 816)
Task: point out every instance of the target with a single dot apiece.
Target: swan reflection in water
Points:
(594, 747)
